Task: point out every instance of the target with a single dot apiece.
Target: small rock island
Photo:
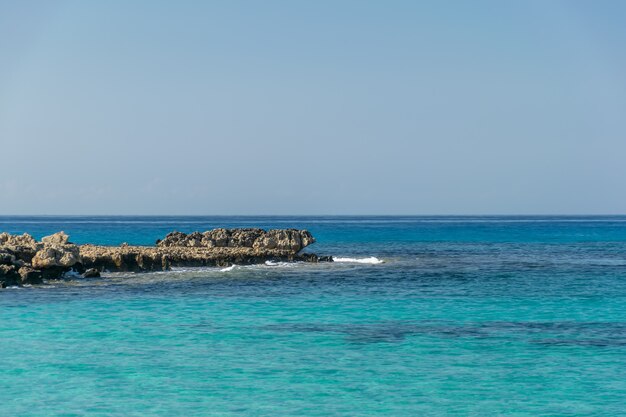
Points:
(24, 260)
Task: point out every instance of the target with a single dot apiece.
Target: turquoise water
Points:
(521, 316)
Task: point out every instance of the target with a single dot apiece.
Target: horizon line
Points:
(322, 215)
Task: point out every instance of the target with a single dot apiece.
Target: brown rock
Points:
(59, 238)
(56, 255)
(24, 260)
(91, 273)
(9, 275)
(282, 239)
(29, 275)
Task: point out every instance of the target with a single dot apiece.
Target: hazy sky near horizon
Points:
(319, 107)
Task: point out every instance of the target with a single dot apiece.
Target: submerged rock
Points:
(91, 273)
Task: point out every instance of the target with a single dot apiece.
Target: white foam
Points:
(274, 264)
(371, 260)
(228, 268)
(71, 274)
(185, 270)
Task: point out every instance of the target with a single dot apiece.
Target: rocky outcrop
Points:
(149, 258)
(30, 275)
(217, 247)
(91, 273)
(281, 239)
(22, 247)
(9, 275)
(54, 255)
(23, 260)
(24, 240)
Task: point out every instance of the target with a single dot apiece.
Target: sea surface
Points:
(464, 316)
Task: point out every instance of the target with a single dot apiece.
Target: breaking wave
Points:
(228, 268)
(371, 260)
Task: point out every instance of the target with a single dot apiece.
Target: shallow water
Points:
(520, 316)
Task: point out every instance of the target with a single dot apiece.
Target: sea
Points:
(418, 316)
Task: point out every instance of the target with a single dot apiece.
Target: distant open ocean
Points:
(466, 316)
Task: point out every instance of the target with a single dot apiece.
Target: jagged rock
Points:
(29, 275)
(282, 239)
(123, 258)
(7, 258)
(9, 240)
(289, 239)
(55, 252)
(218, 247)
(21, 247)
(24, 260)
(9, 275)
(91, 273)
(59, 238)
(146, 258)
(63, 256)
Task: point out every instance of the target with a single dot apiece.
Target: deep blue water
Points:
(521, 316)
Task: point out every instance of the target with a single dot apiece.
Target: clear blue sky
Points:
(312, 107)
